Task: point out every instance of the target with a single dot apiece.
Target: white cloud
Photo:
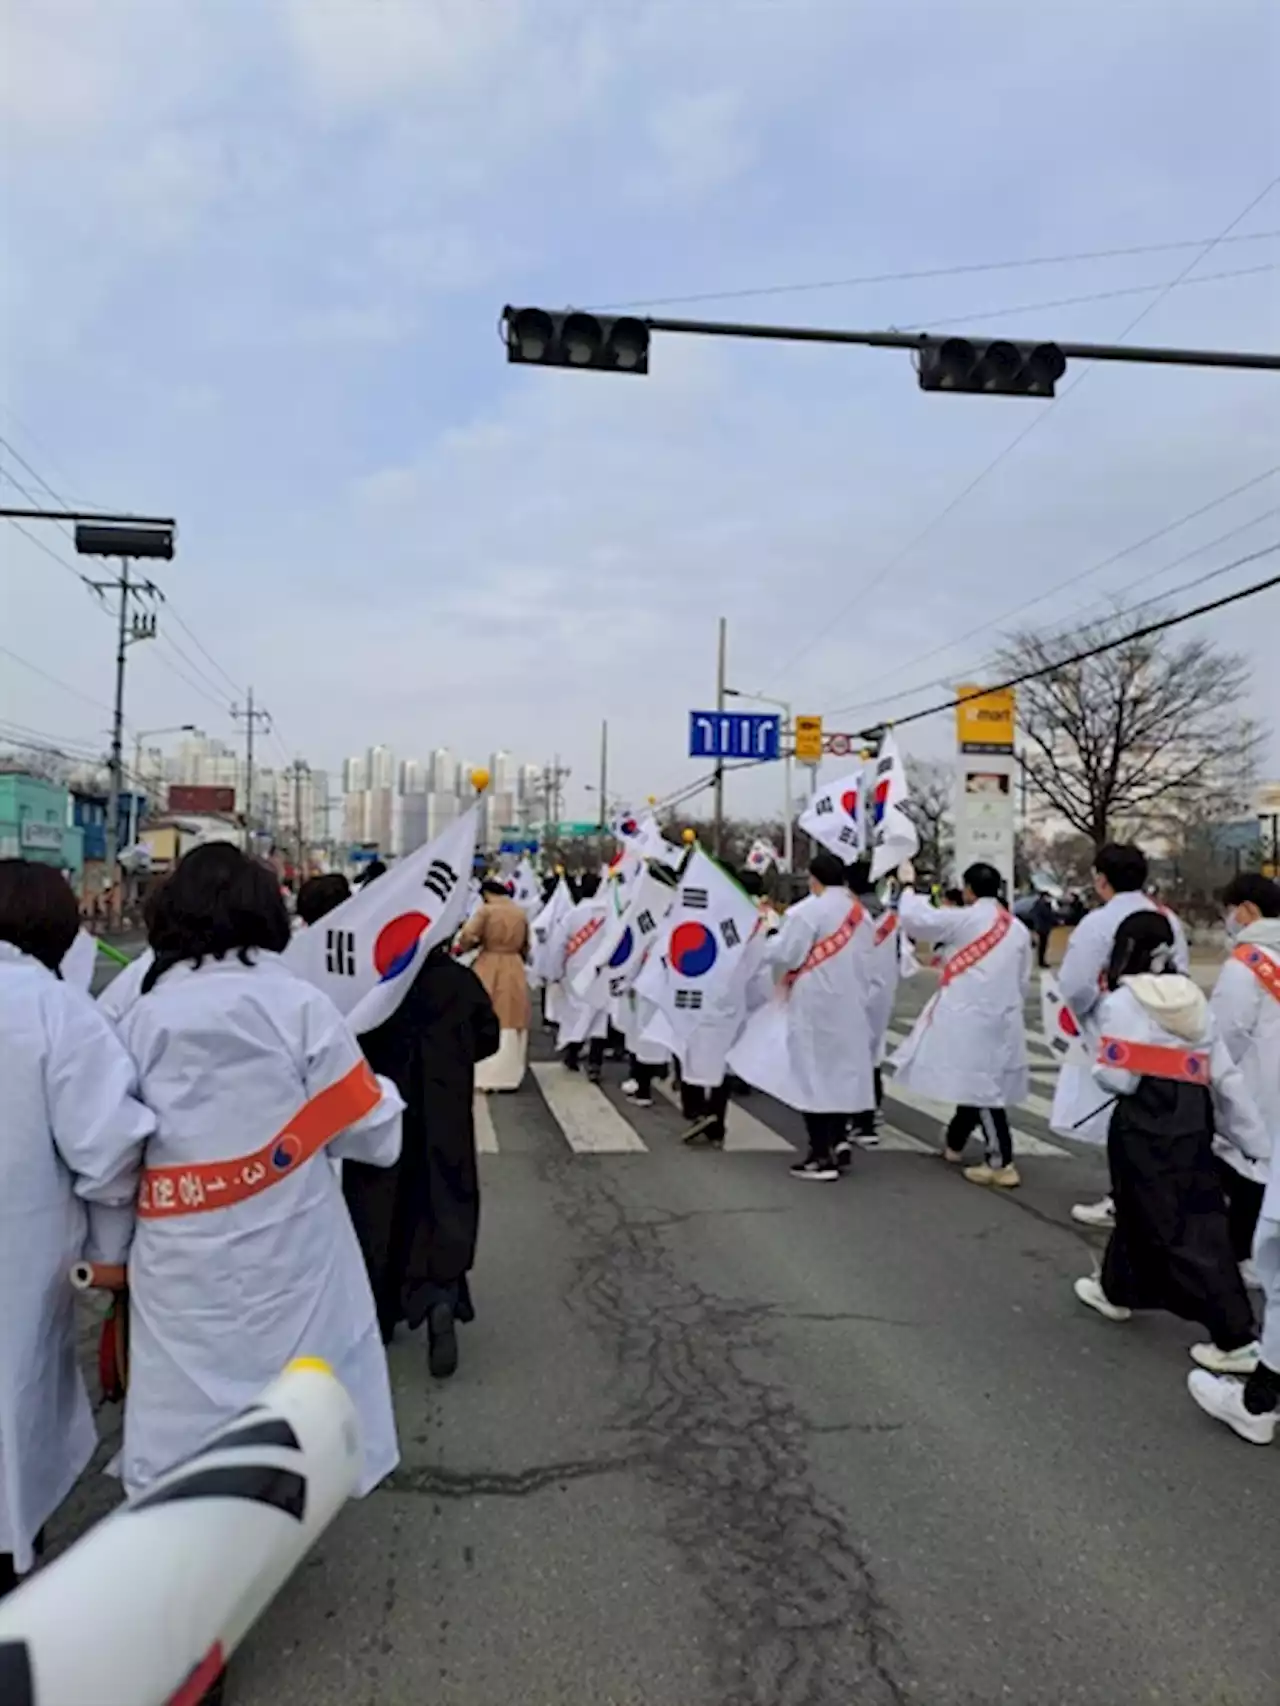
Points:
(700, 144)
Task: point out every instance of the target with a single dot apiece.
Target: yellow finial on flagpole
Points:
(689, 837)
(480, 780)
(653, 799)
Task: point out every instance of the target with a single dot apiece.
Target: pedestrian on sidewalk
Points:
(1170, 1080)
(810, 1045)
(74, 1131)
(1246, 1006)
(1119, 879)
(1041, 919)
(500, 930)
(969, 1046)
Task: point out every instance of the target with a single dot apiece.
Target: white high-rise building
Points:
(355, 776)
(442, 768)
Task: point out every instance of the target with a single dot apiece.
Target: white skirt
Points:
(505, 1070)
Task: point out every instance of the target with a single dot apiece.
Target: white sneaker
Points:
(1095, 1213)
(629, 1087)
(1243, 1361)
(1249, 1275)
(1224, 1401)
(1089, 1290)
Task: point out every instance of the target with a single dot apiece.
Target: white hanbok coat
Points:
(810, 1044)
(969, 1046)
(125, 987)
(222, 1300)
(1248, 1020)
(72, 1144)
(578, 1020)
(1078, 1110)
(886, 965)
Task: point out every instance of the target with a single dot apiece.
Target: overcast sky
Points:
(255, 254)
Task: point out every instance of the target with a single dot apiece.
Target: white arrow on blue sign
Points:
(735, 734)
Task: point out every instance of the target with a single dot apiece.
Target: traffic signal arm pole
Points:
(1154, 355)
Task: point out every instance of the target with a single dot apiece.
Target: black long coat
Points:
(417, 1222)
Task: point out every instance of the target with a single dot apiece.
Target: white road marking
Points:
(486, 1136)
(1032, 1103)
(1023, 1142)
(742, 1130)
(590, 1122)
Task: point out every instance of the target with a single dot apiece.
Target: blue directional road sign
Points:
(734, 734)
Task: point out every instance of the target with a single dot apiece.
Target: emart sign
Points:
(985, 719)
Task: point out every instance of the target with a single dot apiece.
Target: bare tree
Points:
(1125, 738)
(932, 793)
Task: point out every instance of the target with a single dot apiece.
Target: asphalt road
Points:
(720, 1438)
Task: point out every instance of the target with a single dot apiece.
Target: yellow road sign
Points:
(984, 721)
(808, 732)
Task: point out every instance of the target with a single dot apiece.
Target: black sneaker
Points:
(594, 1075)
(699, 1131)
(824, 1172)
(842, 1154)
(442, 1342)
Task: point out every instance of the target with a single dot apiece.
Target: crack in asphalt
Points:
(796, 1618)
(498, 1484)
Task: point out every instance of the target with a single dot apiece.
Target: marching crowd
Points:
(275, 1185)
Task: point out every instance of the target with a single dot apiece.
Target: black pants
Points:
(824, 1132)
(595, 1055)
(997, 1139)
(1042, 945)
(644, 1074)
(1262, 1391)
(697, 1102)
(1244, 1205)
(864, 1122)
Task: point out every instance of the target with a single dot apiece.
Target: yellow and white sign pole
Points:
(985, 780)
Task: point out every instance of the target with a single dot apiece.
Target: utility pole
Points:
(297, 770)
(133, 625)
(604, 776)
(251, 716)
(718, 835)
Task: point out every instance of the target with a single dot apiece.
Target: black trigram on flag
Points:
(645, 923)
(689, 999)
(848, 836)
(340, 952)
(694, 899)
(729, 930)
(441, 879)
(824, 806)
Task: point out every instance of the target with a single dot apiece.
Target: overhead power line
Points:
(953, 271)
(1072, 579)
(1019, 438)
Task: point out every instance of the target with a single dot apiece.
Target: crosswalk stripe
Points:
(486, 1136)
(742, 1130)
(590, 1122)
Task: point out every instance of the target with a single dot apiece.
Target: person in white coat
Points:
(73, 1138)
(572, 944)
(1119, 878)
(810, 1045)
(1246, 1008)
(244, 1255)
(886, 969)
(1170, 1083)
(969, 1046)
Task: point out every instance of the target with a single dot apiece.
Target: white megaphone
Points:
(146, 1609)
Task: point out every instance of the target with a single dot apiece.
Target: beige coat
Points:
(501, 932)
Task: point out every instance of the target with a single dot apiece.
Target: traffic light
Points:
(575, 339)
(111, 539)
(1000, 368)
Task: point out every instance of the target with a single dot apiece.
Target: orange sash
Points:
(1153, 1060)
(829, 946)
(199, 1186)
(1263, 967)
(581, 937)
(886, 927)
(968, 957)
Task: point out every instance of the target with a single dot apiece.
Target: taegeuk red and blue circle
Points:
(692, 950)
(396, 944)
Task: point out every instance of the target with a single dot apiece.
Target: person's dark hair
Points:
(827, 869)
(319, 895)
(588, 885)
(372, 871)
(955, 896)
(984, 881)
(1251, 888)
(1144, 943)
(1123, 865)
(549, 887)
(217, 902)
(150, 901)
(38, 912)
(492, 886)
(858, 877)
(751, 881)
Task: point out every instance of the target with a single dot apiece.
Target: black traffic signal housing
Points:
(998, 368)
(572, 338)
